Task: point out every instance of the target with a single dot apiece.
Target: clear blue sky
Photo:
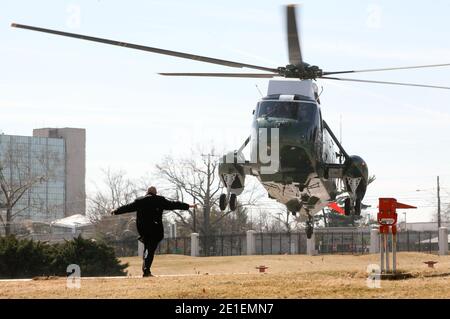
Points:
(133, 116)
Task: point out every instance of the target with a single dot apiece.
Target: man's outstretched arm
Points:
(170, 205)
(132, 207)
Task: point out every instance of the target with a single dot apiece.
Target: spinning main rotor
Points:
(296, 68)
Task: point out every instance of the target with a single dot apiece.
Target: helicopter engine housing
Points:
(232, 164)
(356, 167)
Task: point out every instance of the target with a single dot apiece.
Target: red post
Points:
(387, 215)
(387, 219)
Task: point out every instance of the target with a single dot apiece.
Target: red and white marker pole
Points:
(387, 219)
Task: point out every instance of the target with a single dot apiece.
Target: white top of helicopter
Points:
(289, 87)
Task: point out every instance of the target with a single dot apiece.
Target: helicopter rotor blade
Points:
(148, 49)
(293, 39)
(389, 69)
(225, 75)
(383, 82)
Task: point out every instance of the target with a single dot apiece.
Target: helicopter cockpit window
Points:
(286, 110)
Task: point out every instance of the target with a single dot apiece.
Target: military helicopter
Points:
(308, 167)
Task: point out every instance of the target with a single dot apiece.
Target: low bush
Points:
(27, 258)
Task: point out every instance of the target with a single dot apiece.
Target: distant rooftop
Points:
(76, 220)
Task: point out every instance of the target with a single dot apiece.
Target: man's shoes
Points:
(147, 273)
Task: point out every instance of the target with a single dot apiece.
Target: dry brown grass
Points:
(297, 276)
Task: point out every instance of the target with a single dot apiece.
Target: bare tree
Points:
(446, 214)
(285, 220)
(263, 221)
(117, 190)
(237, 222)
(20, 171)
(196, 177)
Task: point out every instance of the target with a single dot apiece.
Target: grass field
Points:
(288, 276)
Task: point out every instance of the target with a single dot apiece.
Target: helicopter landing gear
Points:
(348, 206)
(228, 199)
(233, 202)
(358, 207)
(352, 204)
(309, 228)
(223, 202)
(350, 209)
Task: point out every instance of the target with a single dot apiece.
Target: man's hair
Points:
(151, 190)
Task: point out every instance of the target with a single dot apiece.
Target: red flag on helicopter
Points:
(334, 206)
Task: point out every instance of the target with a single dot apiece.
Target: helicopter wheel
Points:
(358, 207)
(309, 230)
(347, 207)
(233, 202)
(223, 202)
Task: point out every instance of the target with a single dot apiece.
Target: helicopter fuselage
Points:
(294, 154)
(296, 181)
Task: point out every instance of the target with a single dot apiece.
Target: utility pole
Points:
(439, 203)
(195, 218)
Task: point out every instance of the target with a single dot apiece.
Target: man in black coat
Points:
(149, 221)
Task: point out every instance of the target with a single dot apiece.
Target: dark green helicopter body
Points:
(305, 171)
(301, 153)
